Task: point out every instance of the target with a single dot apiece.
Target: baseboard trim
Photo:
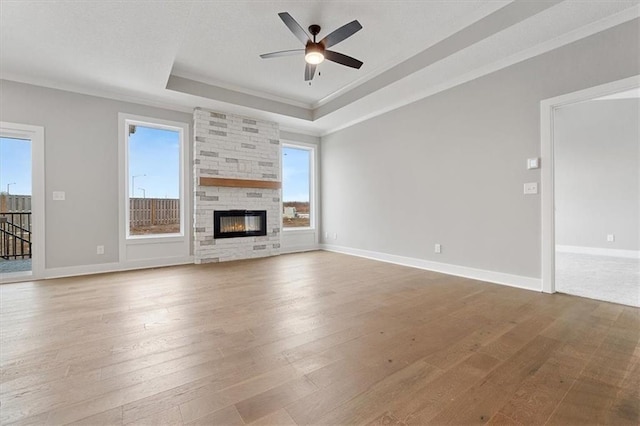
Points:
(596, 251)
(299, 249)
(102, 268)
(518, 281)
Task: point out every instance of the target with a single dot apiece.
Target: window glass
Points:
(296, 187)
(153, 180)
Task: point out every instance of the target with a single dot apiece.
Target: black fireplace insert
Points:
(239, 223)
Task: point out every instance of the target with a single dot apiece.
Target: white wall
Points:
(597, 174)
(81, 158)
(450, 168)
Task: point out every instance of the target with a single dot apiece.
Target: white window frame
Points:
(312, 184)
(124, 121)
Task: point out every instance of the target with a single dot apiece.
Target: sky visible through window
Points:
(15, 166)
(154, 160)
(154, 153)
(295, 174)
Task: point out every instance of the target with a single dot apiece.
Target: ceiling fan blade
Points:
(309, 72)
(282, 53)
(295, 28)
(341, 59)
(341, 33)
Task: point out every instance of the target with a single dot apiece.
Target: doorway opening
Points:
(21, 202)
(15, 205)
(591, 193)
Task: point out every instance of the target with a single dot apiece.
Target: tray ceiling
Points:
(185, 54)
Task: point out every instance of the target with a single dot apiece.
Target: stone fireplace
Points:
(236, 170)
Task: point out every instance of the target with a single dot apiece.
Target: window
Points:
(154, 194)
(297, 186)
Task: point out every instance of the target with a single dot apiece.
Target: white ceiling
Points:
(184, 54)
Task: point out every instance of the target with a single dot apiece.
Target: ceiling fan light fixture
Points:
(314, 56)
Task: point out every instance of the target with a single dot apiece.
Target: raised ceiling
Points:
(186, 54)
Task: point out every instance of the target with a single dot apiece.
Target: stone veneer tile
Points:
(247, 154)
(208, 154)
(213, 172)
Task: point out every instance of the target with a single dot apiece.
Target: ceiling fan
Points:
(316, 51)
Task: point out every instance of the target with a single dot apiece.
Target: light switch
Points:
(531, 188)
(58, 195)
(533, 163)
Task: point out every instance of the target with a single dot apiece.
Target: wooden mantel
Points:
(239, 183)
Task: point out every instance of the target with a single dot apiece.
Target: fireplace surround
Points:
(232, 154)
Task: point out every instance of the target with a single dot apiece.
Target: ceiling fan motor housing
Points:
(314, 30)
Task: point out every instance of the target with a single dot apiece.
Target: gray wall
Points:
(450, 168)
(597, 174)
(81, 158)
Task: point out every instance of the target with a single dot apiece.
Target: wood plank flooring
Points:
(311, 338)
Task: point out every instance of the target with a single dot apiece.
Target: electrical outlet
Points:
(611, 238)
(438, 248)
(335, 236)
(531, 188)
(100, 250)
(326, 235)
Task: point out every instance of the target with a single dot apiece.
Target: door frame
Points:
(36, 135)
(547, 113)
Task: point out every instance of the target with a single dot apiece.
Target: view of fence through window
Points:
(154, 180)
(296, 178)
(15, 205)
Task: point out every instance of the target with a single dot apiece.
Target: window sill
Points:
(155, 239)
(298, 229)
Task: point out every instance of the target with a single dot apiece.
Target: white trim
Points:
(299, 248)
(547, 110)
(518, 281)
(102, 268)
(124, 120)
(38, 197)
(597, 251)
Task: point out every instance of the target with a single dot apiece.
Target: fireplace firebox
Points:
(239, 223)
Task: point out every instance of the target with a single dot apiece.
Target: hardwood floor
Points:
(311, 338)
